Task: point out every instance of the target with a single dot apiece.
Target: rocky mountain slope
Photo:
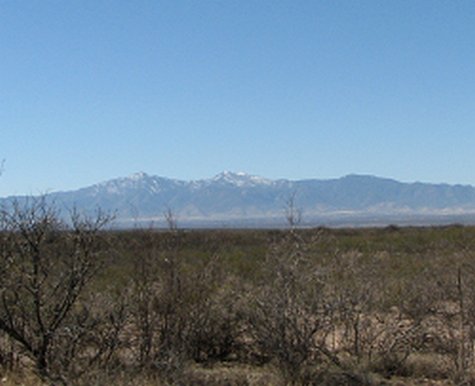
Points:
(240, 199)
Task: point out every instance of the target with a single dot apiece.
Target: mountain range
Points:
(243, 200)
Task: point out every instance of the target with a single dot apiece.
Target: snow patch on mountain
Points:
(240, 179)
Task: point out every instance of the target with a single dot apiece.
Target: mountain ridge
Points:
(236, 198)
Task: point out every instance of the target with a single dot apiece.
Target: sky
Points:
(97, 89)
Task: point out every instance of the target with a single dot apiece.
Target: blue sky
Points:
(96, 89)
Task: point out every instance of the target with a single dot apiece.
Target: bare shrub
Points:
(454, 314)
(177, 309)
(288, 310)
(46, 264)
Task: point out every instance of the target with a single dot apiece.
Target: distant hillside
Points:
(239, 199)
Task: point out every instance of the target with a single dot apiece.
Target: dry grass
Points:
(231, 375)
(20, 379)
(384, 293)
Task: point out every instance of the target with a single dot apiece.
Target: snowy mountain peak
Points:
(240, 179)
(138, 176)
(228, 175)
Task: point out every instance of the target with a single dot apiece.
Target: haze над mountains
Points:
(240, 199)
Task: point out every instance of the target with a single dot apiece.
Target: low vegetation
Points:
(83, 305)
